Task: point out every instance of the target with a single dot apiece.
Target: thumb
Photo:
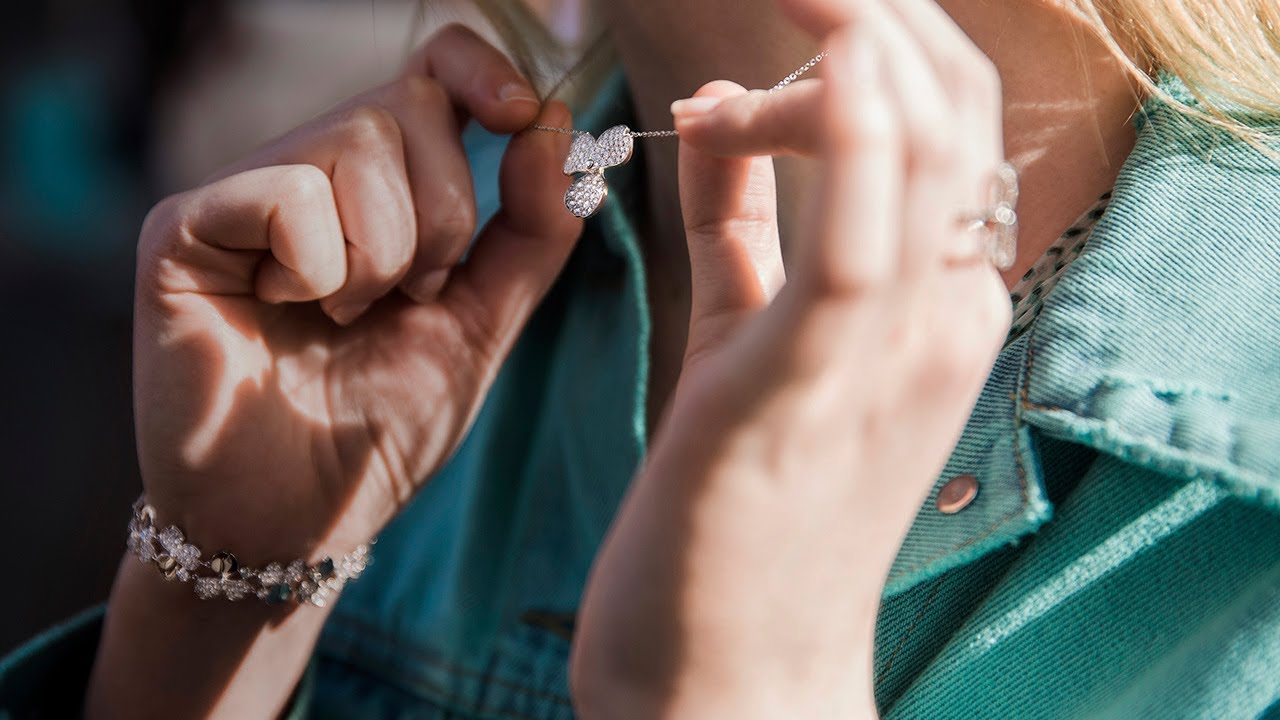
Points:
(518, 255)
(730, 212)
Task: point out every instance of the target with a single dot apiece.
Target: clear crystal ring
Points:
(991, 234)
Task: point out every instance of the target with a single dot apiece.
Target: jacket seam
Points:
(1022, 478)
(442, 695)
(902, 639)
(426, 658)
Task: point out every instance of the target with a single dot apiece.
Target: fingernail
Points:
(346, 314)
(516, 90)
(693, 107)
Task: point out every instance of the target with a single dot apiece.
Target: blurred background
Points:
(105, 107)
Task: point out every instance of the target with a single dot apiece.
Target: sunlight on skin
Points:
(301, 380)
(1044, 56)
(244, 359)
(1179, 510)
(1048, 123)
(1028, 156)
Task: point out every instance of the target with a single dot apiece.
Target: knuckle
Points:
(389, 257)
(746, 110)
(371, 126)
(161, 228)
(305, 185)
(451, 33)
(400, 255)
(870, 123)
(451, 222)
(166, 242)
(933, 138)
(420, 91)
(160, 218)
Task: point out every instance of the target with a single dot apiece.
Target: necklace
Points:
(589, 157)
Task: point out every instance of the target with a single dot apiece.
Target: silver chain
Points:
(799, 71)
(672, 133)
(562, 131)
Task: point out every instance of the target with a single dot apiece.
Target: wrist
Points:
(218, 574)
(165, 653)
(266, 521)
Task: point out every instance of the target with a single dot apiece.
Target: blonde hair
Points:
(1226, 52)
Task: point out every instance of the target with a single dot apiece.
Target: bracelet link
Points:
(222, 576)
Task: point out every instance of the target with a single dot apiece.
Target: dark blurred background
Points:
(105, 107)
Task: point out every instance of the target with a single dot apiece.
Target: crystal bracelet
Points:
(221, 574)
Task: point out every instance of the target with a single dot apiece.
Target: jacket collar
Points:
(1158, 344)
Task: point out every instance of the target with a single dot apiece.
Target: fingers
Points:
(439, 178)
(523, 248)
(400, 177)
(972, 83)
(731, 226)
(942, 97)
(478, 79)
(371, 187)
(820, 17)
(455, 76)
(856, 243)
(196, 242)
(755, 123)
(931, 189)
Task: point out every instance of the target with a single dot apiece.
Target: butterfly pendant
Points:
(591, 157)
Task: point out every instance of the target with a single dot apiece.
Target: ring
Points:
(991, 234)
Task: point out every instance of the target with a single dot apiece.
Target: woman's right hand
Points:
(307, 347)
(743, 572)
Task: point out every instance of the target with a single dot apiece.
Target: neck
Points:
(1067, 101)
(1067, 105)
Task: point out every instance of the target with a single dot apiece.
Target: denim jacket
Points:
(1121, 558)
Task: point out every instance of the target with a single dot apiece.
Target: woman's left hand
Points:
(743, 573)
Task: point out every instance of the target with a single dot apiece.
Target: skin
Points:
(1067, 104)
(304, 337)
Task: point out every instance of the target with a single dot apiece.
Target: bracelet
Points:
(222, 576)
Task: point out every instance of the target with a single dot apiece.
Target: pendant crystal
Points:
(586, 194)
(591, 156)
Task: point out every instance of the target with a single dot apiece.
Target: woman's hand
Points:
(308, 349)
(743, 574)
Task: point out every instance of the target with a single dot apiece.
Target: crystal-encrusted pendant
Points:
(591, 156)
(585, 196)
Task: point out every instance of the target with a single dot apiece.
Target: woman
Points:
(312, 348)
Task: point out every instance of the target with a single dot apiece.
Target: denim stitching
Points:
(902, 640)
(422, 656)
(560, 699)
(442, 695)
(1022, 476)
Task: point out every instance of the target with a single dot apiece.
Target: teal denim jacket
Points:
(1121, 558)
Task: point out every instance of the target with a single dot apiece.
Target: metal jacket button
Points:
(957, 494)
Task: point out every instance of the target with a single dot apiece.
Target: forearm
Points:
(598, 698)
(165, 653)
